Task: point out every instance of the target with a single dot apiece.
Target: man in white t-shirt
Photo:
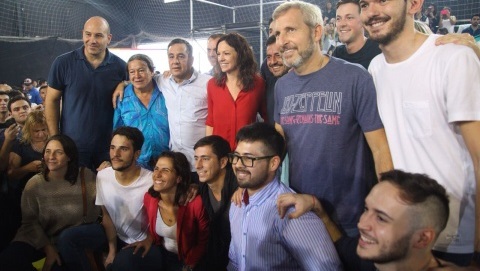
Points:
(429, 101)
(120, 191)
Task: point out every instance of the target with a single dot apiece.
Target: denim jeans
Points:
(73, 242)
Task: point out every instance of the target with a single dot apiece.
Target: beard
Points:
(396, 252)
(124, 166)
(302, 57)
(398, 25)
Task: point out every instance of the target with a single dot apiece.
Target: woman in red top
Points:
(237, 93)
(178, 233)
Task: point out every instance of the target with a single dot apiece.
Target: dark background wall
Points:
(34, 32)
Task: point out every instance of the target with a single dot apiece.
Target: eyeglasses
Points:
(247, 161)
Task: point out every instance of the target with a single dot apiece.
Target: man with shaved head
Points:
(84, 80)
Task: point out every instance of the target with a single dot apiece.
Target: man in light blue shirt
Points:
(185, 92)
(261, 240)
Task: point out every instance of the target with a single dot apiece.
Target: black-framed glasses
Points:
(247, 161)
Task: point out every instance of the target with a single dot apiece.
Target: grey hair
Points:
(143, 58)
(312, 15)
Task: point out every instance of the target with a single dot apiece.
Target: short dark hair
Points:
(41, 80)
(419, 189)
(133, 134)
(143, 58)
(475, 15)
(271, 40)
(14, 92)
(182, 41)
(265, 133)
(182, 169)
(16, 99)
(2, 92)
(220, 146)
(342, 2)
(71, 151)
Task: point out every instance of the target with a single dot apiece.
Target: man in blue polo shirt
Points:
(84, 81)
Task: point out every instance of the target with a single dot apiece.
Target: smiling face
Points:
(180, 62)
(140, 75)
(96, 37)
(165, 179)
(275, 61)
(227, 57)
(256, 177)
(349, 26)
(384, 20)
(296, 39)
(122, 153)
(55, 158)
(207, 164)
(385, 226)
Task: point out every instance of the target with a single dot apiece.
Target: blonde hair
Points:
(35, 117)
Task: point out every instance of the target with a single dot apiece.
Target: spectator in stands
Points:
(278, 69)
(19, 107)
(385, 241)
(26, 154)
(178, 233)
(447, 20)
(143, 107)
(43, 92)
(31, 92)
(431, 13)
(357, 48)
(217, 185)
(320, 135)
(4, 98)
(237, 93)
(261, 240)
(212, 51)
(446, 145)
(330, 38)
(87, 115)
(51, 202)
(42, 82)
(329, 11)
(473, 29)
(5, 87)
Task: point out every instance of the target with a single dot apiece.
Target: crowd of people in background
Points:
(353, 146)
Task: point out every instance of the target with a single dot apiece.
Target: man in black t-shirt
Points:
(357, 48)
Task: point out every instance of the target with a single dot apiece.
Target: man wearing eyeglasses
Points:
(261, 240)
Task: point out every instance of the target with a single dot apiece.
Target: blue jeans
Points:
(72, 242)
(157, 259)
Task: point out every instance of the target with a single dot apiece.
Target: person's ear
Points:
(424, 238)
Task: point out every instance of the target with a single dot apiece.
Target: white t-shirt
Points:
(420, 100)
(125, 203)
(448, 25)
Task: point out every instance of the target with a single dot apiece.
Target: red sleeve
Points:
(263, 98)
(201, 218)
(210, 89)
